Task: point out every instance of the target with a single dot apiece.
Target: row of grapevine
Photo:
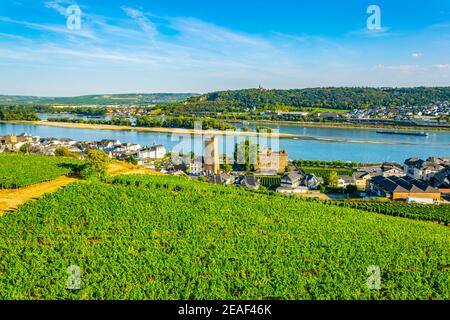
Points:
(19, 170)
(148, 237)
(436, 213)
(270, 181)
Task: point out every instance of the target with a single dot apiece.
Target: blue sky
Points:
(201, 46)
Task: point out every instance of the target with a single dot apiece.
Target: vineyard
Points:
(270, 181)
(157, 237)
(19, 170)
(438, 213)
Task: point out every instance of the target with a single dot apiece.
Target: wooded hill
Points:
(297, 99)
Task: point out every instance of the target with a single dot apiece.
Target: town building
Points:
(420, 169)
(223, 179)
(404, 188)
(155, 152)
(109, 145)
(345, 181)
(441, 180)
(390, 169)
(295, 182)
(362, 180)
(196, 167)
(13, 143)
(270, 160)
(291, 180)
(251, 182)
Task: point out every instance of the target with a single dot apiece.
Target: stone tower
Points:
(212, 161)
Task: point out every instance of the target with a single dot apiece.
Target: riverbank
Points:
(178, 131)
(335, 125)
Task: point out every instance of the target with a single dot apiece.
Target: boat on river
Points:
(405, 133)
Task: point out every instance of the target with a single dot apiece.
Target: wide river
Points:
(359, 149)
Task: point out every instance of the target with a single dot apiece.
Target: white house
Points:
(128, 148)
(291, 180)
(295, 182)
(345, 181)
(196, 167)
(109, 145)
(153, 153)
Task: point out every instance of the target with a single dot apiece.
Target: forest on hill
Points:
(298, 99)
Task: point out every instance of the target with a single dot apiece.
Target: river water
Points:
(436, 144)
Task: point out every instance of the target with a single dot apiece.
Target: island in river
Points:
(182, 131)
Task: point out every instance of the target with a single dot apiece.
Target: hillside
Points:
(297, 99)
(148, 237)
(122, 99)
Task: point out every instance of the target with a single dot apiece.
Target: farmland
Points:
(157, 237)
(19, 170)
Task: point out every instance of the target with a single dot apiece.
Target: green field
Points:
(144, 237)
(19, 170)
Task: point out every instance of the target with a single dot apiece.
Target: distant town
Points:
(429, 114)
(415, 180)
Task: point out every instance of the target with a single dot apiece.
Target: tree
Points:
(96, 164)
(350, 189)
(246, 155)
(226, 166)
(333, 179)
(65, 153)
(25, 148)
(132, 159)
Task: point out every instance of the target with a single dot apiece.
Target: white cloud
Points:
(442, 66)
(61, 29)
(200, 56)
(203, 31)
(400, 68)
(57, 6)
(142, 20)
(11, 36)
(416, 55)
(382, 32)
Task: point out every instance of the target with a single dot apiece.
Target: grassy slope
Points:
(18, 170)
(167, 238)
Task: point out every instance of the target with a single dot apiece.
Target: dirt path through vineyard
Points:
(11, 199)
